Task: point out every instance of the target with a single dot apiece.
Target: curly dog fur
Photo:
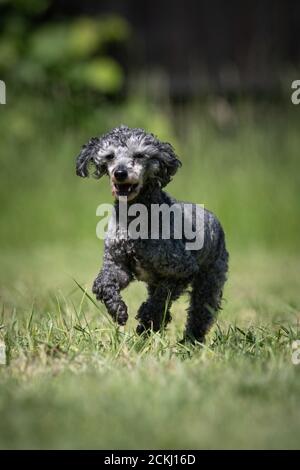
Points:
(139, 166)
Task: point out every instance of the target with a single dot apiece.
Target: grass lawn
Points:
(72, 379)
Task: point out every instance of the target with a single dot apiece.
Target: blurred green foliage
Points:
(245, 169)
(72, 53)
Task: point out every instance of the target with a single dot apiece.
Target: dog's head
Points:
(131, 158)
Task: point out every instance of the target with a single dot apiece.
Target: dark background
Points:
(211, 44)
(197, 46)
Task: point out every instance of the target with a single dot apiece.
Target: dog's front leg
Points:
(107, 286)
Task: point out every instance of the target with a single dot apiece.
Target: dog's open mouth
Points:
(125, 189)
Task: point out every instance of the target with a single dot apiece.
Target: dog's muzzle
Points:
(122, 184)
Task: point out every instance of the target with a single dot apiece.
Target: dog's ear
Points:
(88, 158)
(168, 163)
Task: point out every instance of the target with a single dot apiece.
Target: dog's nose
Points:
(121, 174)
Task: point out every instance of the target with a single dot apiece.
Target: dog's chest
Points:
(136, 262)
(129, 252)
(140, 272)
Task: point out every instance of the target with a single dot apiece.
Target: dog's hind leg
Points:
(206, 296)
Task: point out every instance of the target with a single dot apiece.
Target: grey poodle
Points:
(139, 166)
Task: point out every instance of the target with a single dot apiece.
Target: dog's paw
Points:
(121, 315)
(97, 289)
(143, 330)
(191, 339)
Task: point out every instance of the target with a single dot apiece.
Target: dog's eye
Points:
(109, 157)
(139, 155)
